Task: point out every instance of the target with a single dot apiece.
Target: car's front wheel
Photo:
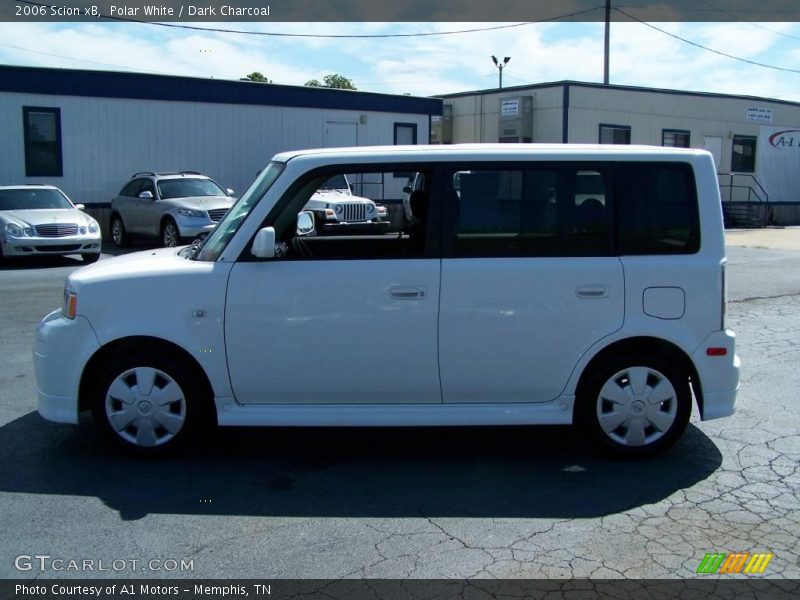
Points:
(170, 235)
(118, 233)
(635, 405)
(149, 402)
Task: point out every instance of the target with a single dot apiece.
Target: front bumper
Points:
(194, 228)
(39, 246)
(719, 375)
(360, 228)
(62, 349)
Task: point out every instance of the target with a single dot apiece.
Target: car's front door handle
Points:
(407, 292)
(592, 291)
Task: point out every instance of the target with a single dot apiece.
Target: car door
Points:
(529, 280)
(353, 322)
(126, 202)
(148, 217)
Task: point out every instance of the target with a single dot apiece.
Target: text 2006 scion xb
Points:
(537, 285)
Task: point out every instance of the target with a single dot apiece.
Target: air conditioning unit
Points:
(516, 120)
(442, 126)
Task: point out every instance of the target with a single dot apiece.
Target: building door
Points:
(713, 144)
(340, 133)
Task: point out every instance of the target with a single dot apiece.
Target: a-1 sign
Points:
(778, 162)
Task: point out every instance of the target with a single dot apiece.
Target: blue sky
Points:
(428, 65)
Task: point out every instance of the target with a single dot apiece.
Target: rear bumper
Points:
(719, 375)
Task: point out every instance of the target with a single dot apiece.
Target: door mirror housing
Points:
(305, 223)
(264, 244)
(229, 191)
(148, 195)
(80, 206)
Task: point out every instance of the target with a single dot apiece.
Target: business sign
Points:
(761, 115)
(778, 162)
(509, 108)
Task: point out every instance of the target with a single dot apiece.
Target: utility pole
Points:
(500, 66)
(608, 36)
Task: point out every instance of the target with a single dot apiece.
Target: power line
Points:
(696, 45)
(740, 20)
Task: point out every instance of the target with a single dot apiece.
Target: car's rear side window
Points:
(657, 209)
(544, 209)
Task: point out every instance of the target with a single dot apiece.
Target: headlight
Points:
(93, 227)
(370, 208)
(70, 304)
(339, 208)
(199, 214)
(82, 230)
(16, 231)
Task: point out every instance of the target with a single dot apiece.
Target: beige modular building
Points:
(755, 141)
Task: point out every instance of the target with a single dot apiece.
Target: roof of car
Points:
(485, 151)
(171, 175)
(28, 186)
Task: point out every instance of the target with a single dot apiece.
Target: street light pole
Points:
(500, 66)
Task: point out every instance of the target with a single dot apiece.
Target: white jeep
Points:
(337, 211)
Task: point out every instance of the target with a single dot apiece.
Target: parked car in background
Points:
(173, 207)
(337, 210)
(41, 219)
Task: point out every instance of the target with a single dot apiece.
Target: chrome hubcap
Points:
(637, 406)
(145, 406)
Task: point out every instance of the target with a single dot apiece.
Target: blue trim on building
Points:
(138, 86)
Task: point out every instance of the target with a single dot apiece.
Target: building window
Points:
(675, 138)
(42, 135)
(405, 134)
(615, 134)
(743, 159)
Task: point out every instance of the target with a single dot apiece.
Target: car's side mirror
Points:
(148, 195)
(229, 191)
(80, 206)
(264, 244)
(305, 223)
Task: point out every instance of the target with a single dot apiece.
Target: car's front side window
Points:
(215, 243)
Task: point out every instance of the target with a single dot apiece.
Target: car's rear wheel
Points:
(118, 233)
(149, 402)
(170, 235)
(90, 258)
(635, 405)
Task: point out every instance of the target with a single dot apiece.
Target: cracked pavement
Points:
(449, 503)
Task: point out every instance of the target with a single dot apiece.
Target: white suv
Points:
(537, 285)
(174, 207)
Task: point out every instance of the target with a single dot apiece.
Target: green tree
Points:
(340, 82)
(256, 76)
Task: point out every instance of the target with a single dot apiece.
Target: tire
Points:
(91, 258)
(149, 402)
(635, 405)
(170, 234)
(118, 233)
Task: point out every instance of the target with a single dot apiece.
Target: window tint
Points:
(133, 188)
(657, 207)
(674, 138)
(537, 211)
(186, 188)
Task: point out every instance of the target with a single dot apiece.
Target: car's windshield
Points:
(215, 243)
(187, 188)
(32, 198)
(337, 182)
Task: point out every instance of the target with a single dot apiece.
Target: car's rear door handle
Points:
(407, 292)
(592, 291)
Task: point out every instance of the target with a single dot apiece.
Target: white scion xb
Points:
(538, 284)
